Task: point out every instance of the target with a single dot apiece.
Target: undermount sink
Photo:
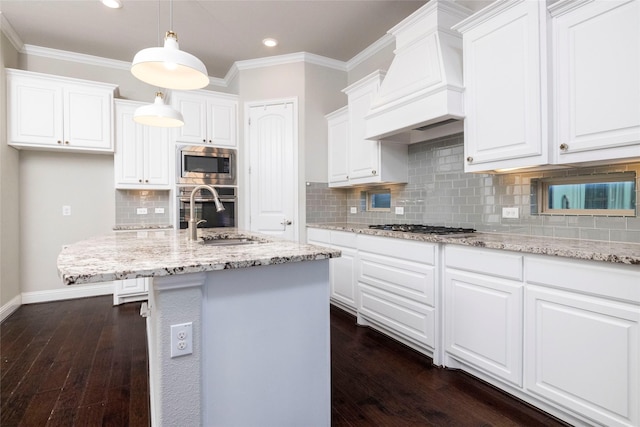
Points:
(229, 241)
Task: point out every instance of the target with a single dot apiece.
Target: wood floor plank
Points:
(84, 363)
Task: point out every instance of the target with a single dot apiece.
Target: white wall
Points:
(9, 200)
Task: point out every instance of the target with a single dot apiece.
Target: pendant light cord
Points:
(170, 15)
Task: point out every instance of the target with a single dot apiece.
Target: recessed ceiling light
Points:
(270, 42)
(113, 4)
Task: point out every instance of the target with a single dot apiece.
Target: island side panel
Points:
(266, 346)
(175, 383)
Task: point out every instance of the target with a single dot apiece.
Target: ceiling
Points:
(216, 31)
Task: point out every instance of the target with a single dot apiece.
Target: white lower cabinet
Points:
(483, 312)
(582, 338)
(397, 282)
(341, 270)
(129, 290)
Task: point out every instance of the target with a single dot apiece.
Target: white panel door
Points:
(483, 323)
(273, 169)
(597, 81)
(582, 353)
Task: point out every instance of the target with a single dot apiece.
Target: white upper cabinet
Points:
(209, 117)
(49, 112)
(367, 161)
(506, 95)
(596, 57)
(338, 134)
(539, 101)
(142, 159)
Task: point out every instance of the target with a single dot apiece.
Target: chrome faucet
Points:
(193, 222)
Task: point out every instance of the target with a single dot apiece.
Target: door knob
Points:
(286, 222)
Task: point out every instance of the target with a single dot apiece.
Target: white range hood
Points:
(421, 96)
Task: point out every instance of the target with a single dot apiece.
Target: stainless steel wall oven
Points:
(205, 207)
(205, 165)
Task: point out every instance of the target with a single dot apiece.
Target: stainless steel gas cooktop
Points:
(423, 229)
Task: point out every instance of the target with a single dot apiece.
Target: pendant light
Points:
(158, 114)
(168, 66)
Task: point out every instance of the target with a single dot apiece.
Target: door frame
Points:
(246, 176)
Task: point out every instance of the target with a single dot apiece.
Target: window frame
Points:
(543, 194)
(369, 193)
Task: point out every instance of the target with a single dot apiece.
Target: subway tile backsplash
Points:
(440, 193)
(128, 201)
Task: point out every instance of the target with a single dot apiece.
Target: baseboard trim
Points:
(70, 292)
(10, 307)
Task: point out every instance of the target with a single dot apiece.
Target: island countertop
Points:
(614, 252)
(154, 253)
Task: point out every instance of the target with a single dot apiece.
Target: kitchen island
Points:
(259, 315)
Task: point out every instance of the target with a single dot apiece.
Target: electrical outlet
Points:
(141, 211)
(353, 210)
(181, 339)
(510, 213)
(399, 210)
(159, 210)
(66, 210)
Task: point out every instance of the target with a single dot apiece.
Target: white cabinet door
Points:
(35, 111)
(338, 136)
(142, 158)
(157, 158)
(129, 290)
(50, 112)
(209, 118)
(87, 118)
(221, 122)
(506, 123)
(596, 56)
(364, 155)
(583, 354)
(483, 323)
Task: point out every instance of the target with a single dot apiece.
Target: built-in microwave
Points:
(198, 164)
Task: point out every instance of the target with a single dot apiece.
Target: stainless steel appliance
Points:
(205, 207)
(423, 229)
(205, 165)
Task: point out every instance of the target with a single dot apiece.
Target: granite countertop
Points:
(127, 255)
(130, 227)
(615, 252)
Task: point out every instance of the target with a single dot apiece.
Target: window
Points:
(612, 195)
(379, 200)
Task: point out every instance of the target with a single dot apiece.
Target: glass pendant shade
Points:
(170, 67)
(158, 114)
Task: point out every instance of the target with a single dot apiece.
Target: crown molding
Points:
(10, 33)
(371, 50)
(288, 59)
(82, 58)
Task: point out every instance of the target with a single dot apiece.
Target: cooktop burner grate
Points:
(423, 229)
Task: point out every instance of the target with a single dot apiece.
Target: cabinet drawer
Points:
(318, 236)
(616, 281)
(406, 278)
(422, 252)
(412, 320)
(493, 263)
(344, 238)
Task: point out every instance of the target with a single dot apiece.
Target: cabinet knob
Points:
(469, 159)
(373, 172)
(564, 147)
(146, 180)
(139, 180)
(210, 142)
(204, 140)
(66, 142)
(59, 142)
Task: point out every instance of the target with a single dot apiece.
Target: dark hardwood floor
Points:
(84, 363)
